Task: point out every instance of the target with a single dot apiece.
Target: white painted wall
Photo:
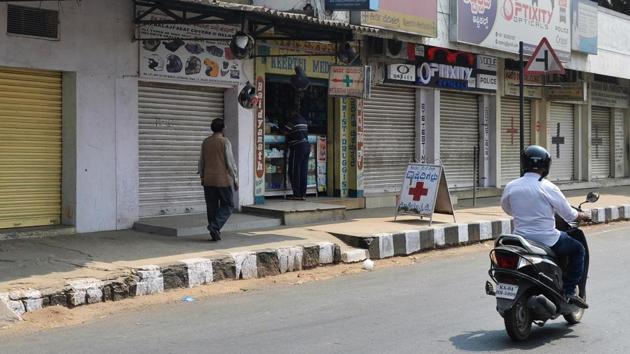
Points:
(99, 62)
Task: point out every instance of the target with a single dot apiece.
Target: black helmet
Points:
(536, 159)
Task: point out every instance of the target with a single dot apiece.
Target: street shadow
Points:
(498, 340)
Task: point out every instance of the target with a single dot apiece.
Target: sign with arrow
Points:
(347, 81)
(544, 60)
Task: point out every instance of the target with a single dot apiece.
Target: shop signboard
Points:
(347, 81)
(275, 57)
(608, 95)
(183, 59)
(501, 24)
(397, 15)
(401, 72)
(532, 89)
(424, 191)
(569, 92)
(351, 5)
(584, 23)
(453, 69)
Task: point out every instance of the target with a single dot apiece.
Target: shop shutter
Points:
(174, 121)
(389, 137)
(30, 148)
(459, 130)
(560, 142)
(620, 139)
(510, 136)
(600, 142)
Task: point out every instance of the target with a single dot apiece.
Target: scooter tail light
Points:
(505, 260)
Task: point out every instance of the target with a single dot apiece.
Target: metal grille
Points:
(459, 130)
(174, 121)
(510, 136)
(620, 156)
(560, 142)
(389, 137)
(30, 148)
(32, 22)
(600, 142)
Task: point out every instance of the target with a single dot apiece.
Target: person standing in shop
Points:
(299, 151)
(217, 169)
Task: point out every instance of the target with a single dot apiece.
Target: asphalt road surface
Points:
(438, 306)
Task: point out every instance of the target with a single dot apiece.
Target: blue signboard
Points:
(352, 5)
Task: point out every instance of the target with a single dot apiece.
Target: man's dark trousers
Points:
(298, 168)
(219, 206)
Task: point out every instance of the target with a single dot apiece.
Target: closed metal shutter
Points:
(600, 142)
(459, 130)
(174, 121)
(389, 137)
(30, 148)
(560, 142)
(510, 136)
(620, 156)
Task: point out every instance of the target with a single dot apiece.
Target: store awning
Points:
(262, 22)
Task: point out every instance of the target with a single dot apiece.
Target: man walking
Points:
(299, 151)
(218, 173)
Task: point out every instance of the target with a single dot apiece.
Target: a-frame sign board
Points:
(424, 191)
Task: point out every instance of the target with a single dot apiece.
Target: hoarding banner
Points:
(584, 23)
(187, 60)
(501, 24)
(398, 15)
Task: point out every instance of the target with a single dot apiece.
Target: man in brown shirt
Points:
(218, 173)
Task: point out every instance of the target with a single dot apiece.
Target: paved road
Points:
(432, 307)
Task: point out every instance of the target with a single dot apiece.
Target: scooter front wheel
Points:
(518, 320)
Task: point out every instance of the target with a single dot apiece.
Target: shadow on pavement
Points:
(498, 340)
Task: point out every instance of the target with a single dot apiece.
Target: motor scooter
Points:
(527, 278)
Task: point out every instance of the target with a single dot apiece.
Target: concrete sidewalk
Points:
(74, 270)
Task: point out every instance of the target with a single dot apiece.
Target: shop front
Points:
(181, 90)
(609, 104)
(510, 119)
(275, 65)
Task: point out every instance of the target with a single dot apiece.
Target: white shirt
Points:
(532, 204)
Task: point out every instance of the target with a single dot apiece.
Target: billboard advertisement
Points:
(501, 24)
(398, 15)
(584, 22)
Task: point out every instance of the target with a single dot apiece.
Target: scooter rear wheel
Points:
(518, 321)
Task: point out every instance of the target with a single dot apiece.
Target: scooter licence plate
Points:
(506, 291)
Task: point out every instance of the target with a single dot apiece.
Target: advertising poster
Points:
(501, 24)
(584, 22)
(165, 54)
(398, 15)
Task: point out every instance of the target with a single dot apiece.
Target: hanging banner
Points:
(501, 24)
(584, 22)
(397, 15)
(187, 59)
(424, 192)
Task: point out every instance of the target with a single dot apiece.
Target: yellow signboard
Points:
(284, 56)
(399, 15)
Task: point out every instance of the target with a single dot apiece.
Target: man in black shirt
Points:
(299, 151)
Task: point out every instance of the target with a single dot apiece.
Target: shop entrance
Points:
(280, 98)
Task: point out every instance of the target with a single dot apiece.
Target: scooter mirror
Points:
(592, 197)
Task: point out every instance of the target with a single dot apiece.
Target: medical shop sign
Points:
(452, 69)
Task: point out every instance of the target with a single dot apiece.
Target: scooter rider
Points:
(532, 201)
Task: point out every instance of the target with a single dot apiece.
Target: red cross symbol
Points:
(512, 131)
(419, 191)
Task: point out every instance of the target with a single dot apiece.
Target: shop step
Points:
(294, 213)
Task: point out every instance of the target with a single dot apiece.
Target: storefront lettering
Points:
(287, 63)
(427, 71)
(321, 66)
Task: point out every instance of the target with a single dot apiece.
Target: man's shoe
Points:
(216, 235)
(577, 301)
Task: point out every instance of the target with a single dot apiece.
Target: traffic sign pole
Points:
(521, 101)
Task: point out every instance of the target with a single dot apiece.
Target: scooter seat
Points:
(532, 246)
(544, 247)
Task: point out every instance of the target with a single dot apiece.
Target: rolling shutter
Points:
(600, 142)
(174, 121)
(389, 137)
(510, 136)
(459, 130)
(30, 148)
(560, 142)
(620, 139)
